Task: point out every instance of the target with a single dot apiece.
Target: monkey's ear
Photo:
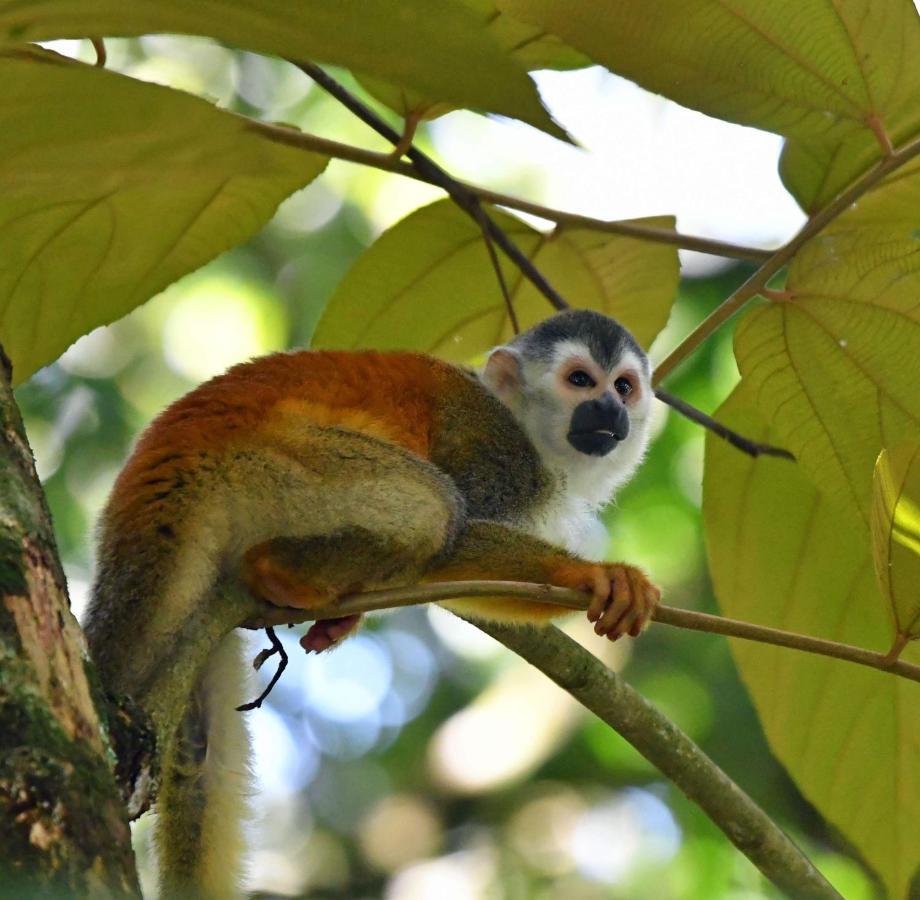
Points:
(503, 373)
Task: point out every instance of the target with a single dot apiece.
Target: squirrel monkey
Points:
(300, 477)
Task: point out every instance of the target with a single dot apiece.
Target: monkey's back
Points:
(434, 410)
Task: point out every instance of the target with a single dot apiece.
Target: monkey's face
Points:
(576, 405)
(584, 402)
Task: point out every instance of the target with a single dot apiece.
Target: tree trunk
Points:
(63, 825)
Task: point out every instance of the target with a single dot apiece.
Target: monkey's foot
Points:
(328, 633)
(623, 598)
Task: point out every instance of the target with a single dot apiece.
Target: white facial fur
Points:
(585, 483)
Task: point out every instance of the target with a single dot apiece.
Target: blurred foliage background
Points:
(419, 760)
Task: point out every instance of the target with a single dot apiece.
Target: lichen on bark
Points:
(63, 825)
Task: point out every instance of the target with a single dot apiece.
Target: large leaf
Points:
(802, 67)
(111, 189)
(819, 71)
(835, 368)
(815, 171)
(894, 204)
(427, 284)
(530, 45)
(782, 555)
(896, 534)
(448, 55)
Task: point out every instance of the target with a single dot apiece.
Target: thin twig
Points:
(276, 647)
(758, 281)
(671, 751)
(101, 54)
(499, 274)
(469, 203)
(385, 161)
(466, 200)
(413, 595)
(746, 445)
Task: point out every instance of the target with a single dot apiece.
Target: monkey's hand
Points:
(623, 599)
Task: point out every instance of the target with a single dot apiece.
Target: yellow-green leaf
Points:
(820, 71)
(444, 53)
(835, 368)
(529, 45)
(427, 284)
(111, 189)
(784, 556)
(815, 171)
(896, 533)
(893, 205)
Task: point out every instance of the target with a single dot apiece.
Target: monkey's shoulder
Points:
(480, 445)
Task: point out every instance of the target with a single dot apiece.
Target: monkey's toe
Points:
(328, 633)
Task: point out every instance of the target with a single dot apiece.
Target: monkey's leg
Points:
(623, 599)
(311, 572)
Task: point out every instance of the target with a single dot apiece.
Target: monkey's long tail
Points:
(203, 797)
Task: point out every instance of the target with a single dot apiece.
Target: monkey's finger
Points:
(600, 594)
(651, 596)
(631, 618)
(636, 609)
(621, 600)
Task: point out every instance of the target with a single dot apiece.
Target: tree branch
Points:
(470, 204)
(414, 595)
(664, 745)
(623, 709)
(758, 281)
(388, 163)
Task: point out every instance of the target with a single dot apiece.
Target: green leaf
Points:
(427, 284)
(835, 367)
(803, 67)
(819, 71)
(896, 534)
(894, 204)
(815, 171)
(111, 189)
(782, 555)
(448, 55)
(530, 46)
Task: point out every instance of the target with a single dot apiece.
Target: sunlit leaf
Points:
(835, 368)
(896, 533)
(894, 205)
(529, 45)
(784, 556)
(819, 71)
(815, 171)
(447, 54)
(111, 189)
(427, 284)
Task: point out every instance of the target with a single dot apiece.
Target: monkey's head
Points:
(580, 386)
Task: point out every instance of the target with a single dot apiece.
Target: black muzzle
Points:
(598, 425)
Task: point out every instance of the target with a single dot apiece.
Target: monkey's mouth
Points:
(597, 426)
(594, 442)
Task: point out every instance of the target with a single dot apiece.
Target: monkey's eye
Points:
(581, 379)
(623, 386)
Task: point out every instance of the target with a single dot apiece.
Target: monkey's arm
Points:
(623, 599)
(302, 574)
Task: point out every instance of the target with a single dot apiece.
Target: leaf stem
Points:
(692, 620)
(758, 281)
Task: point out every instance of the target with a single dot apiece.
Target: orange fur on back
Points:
(388, 396)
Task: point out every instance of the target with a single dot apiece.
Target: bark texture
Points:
(63, 825)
